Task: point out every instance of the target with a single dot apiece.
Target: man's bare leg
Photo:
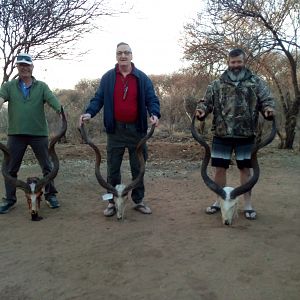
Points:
(220, 179)
(250, 213)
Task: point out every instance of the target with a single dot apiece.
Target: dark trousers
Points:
(17, 146)
(125, 136)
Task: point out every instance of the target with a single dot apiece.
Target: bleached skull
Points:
(33, 198)
(120, 202)
(228, 207)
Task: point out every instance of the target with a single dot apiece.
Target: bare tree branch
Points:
(48, 28)
(259, 27)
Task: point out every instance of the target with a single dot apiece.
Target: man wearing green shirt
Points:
(27, 125)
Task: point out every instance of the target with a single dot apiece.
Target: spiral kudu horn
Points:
(99, 177)
(244, 187)
(14, 181)
(139, 150)
(207, 154)
(41, 182)
(45, 180)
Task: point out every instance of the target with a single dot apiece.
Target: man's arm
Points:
(94, 106)
(266, 100)
(1, 102)
(51, 99)
(4, 93)
(152, 103)
(97, 102)
(205, 105)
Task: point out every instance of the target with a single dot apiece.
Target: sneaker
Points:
(6, 205)
(52, 201)
(213, 209)
(143, 208)
(110, 210)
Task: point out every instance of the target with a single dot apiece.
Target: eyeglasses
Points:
(126, 53)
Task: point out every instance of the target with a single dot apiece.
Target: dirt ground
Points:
(178, 252)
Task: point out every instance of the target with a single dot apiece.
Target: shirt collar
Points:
(32, 81)
(118, 69)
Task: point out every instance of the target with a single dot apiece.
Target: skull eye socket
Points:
(31, 180)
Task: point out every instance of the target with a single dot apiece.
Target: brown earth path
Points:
(178, 252)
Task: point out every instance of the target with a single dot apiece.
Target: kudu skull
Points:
(229, 195)
(33, 186)
(120, 191)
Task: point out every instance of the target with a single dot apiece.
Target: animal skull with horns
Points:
(33, 185)
(229, 195)
(120, 191)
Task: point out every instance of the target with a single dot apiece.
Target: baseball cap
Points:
(24, 58)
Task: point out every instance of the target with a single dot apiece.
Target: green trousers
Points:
(125, 136)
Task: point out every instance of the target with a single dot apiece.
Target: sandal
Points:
(212, 209)
(250, 214)
(142, 208)
(110, 210)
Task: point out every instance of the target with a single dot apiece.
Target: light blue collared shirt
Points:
(25, 89)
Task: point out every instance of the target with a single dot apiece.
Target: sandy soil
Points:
(178, 252)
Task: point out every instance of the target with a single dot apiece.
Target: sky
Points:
(152, 28)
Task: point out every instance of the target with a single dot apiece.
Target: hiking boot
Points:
(6, 205)
(110, 210)
(143, 208)
(52, 201)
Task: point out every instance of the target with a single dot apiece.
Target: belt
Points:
(125, 125)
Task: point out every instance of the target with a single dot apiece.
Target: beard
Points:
(237, 73)
(236, 70)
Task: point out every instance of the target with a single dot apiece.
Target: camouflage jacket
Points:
(235, 105)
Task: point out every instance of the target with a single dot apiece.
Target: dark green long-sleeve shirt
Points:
(27, 115)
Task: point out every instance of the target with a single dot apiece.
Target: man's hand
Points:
(269, 112)
(84, 118)
(154, 120)
(200, 114)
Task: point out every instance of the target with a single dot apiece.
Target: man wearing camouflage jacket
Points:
(235, 99)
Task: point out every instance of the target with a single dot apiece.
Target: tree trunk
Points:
(290, 126)
(63, 140)
(282, 139)
(291, 123)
